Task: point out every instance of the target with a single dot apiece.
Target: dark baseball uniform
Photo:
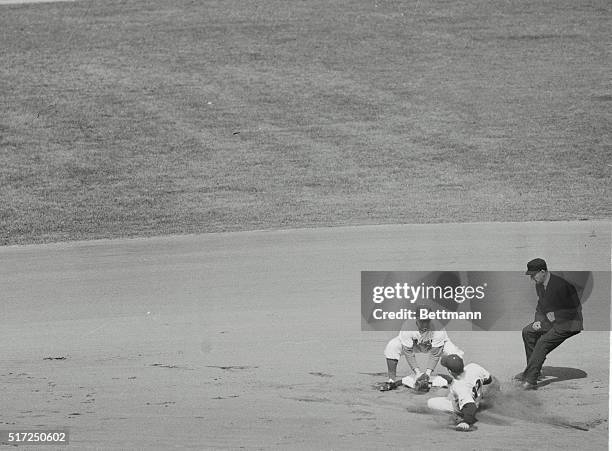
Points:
(560, 297)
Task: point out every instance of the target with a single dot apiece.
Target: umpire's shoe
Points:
(528, 386)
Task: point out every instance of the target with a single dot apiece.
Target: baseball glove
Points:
(422, 384)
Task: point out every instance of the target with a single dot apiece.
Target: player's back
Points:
(468, 386)
(472, 372)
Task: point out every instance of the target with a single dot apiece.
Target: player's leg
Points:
(442, 404)
(393, 353)
(546, 343)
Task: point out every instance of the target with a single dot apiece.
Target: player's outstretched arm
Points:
(433, 358)
(411, 359)
(468, 414)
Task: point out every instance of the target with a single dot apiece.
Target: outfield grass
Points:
(140, 118)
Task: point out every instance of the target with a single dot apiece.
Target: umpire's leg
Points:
(530, 338)
(546, 343)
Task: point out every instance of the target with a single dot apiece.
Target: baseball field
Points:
(191, 190)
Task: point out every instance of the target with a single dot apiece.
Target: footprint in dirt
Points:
(311, 399)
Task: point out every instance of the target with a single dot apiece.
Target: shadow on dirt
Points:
(557, 374)
(560, 373)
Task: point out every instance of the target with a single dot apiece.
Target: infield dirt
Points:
(253, 340)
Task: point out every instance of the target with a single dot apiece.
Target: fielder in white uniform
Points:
(465, 391)
(434, 343)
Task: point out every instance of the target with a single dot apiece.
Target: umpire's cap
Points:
(535, 266)
(453, 363)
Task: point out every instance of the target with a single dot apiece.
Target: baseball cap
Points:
(453, 362)
(535, 266)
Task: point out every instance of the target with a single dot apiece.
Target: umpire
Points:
(558, 316)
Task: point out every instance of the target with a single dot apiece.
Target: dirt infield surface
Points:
(252, 340)
(20, 2)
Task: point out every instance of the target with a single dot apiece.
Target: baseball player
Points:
(465, 391)
(434, 343)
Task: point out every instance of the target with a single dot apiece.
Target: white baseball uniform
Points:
(420, 342)
(464, 389)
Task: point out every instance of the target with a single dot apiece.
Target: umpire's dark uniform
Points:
(560, 297)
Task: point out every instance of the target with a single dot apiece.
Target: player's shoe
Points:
(387, 386)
